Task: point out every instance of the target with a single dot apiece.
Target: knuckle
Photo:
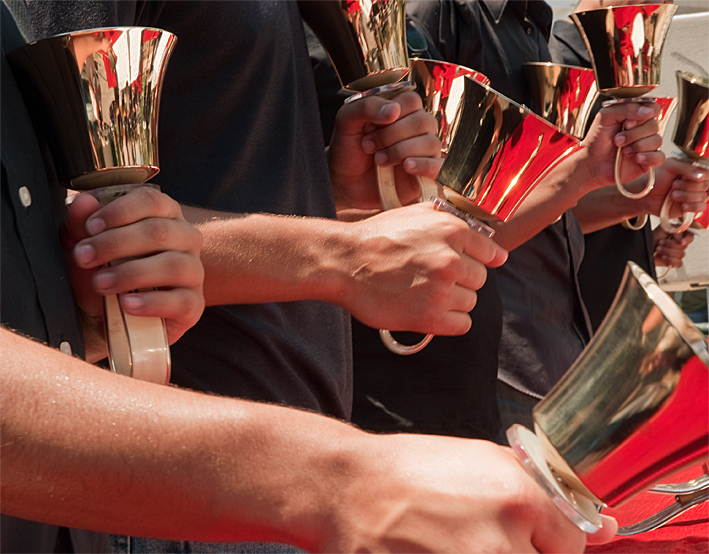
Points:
(157, 230)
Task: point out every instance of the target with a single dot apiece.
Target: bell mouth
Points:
(107, 177)
(632, 91)
(684, 327)
(378, 79)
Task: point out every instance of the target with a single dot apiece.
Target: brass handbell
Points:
(625, 44)
(365, 39)
(691, 136)
(94, 96)
(631, 410)
(500, 152)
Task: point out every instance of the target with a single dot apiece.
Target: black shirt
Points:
(239, 132)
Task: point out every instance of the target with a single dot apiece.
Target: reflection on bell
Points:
(365, 39)
(562, 94)
(625, 44)
(499, 153)
(95, 95)
(633, 408)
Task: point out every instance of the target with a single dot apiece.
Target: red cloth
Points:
(688, 532)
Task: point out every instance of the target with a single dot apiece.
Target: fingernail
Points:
(698, 175)
(620, 140)
(380, 158)
(410, 165)
(95, 225)
(104, 280)
(132, 303)
(640, 158)
(387, 110)
(644, 111)
(84, 254)
(629, 124)
(368, 146)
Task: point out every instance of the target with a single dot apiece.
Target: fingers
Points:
(141, 238)
(641, 143)
(671, 249)
(690, 190)
(140, 203)
(426, 167)
(141, 246)
(74, 229)
(366, 114)
(412, 133)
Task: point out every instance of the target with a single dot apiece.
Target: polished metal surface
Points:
(365, 39)
(634, 407)
(625, 44)
(440, 86)
(94, 95)
(692, 127)
(562, 94)
(499, 152)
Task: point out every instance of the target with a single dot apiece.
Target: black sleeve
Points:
(571, 49)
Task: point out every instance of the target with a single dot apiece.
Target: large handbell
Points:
(94, 96)
(691, 136)
(631, 410)
(500, 152)
(625, 44)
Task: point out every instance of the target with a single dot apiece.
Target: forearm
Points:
(559, 191)
(89, 449)
(251, 258)
(605, 207)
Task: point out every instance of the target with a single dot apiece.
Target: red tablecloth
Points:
(688, 532)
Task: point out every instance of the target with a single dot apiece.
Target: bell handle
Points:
(386, 183)
(390, 200)
(667, 224)
(621, 188)
(402, 349)
(640, 222)
(138, 346)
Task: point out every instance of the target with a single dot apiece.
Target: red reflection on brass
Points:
(533, 149)
(562, 94)
(499, 153)
(692, 128)
(674, 437)
(625, 43)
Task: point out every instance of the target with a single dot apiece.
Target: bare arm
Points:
(415, 268)
(588, 169)
(686, 183)
(85, 448)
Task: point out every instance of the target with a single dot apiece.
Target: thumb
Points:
(78, 211)
(605, 533)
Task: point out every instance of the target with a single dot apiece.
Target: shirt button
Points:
(65, 348)
(529, 30)
(25, 197)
